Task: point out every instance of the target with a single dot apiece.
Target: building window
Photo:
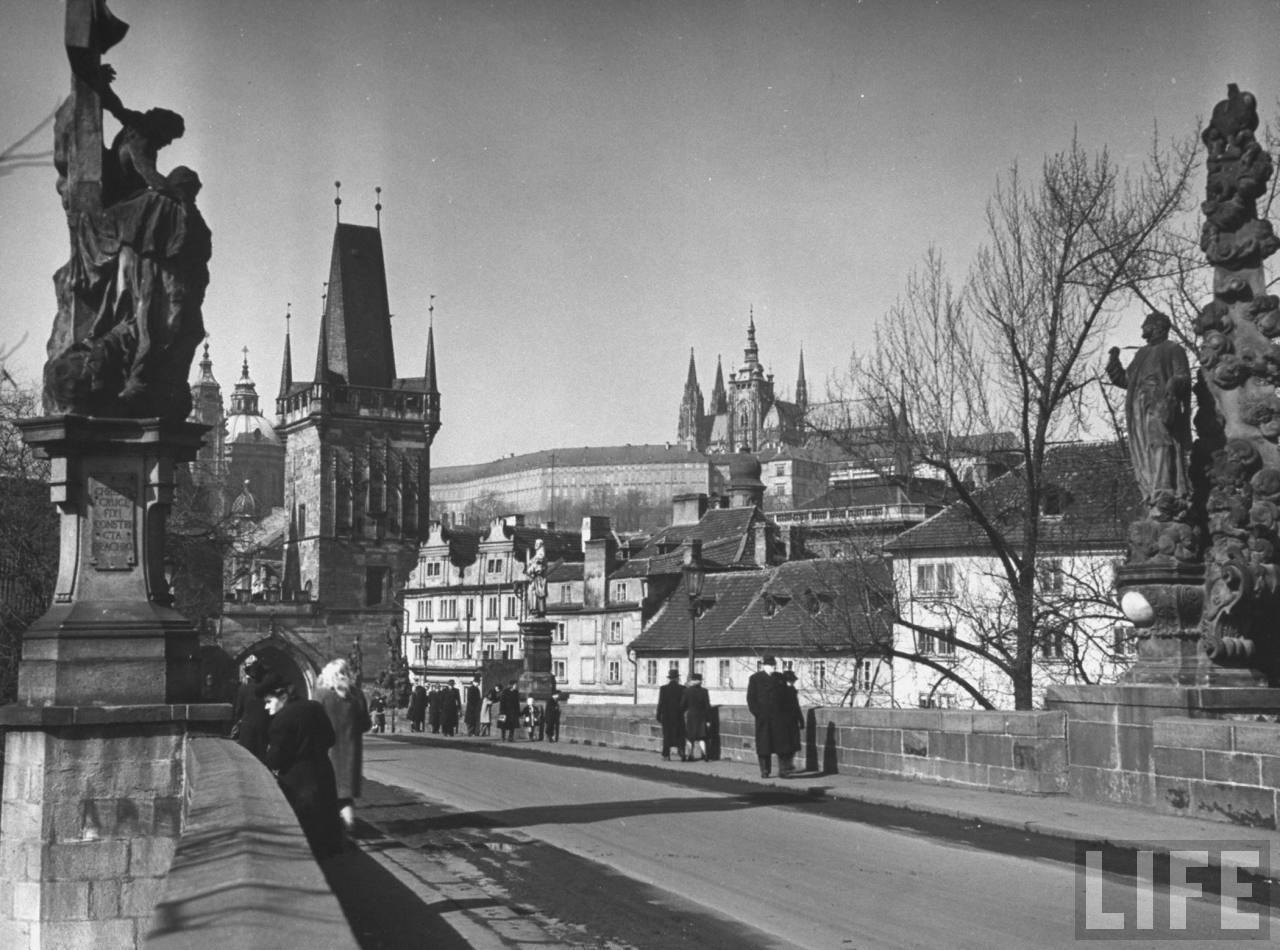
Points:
(422, 609)
(433, 569)
(558, 670)
(587, 632)
(725, 677)
(937, 580)
(620, 590)
(780, 469)
(1053, 643)
(375, 585)
(1124, 640)
(588, 669)
(426, 613)
(444, 651)
(700, 667)
(942, 644)
(494, 565)
(512, 607)
(418, 651)
(491, 608)
(449, 609)
(865, 676)
(1051, 576)
(471, 608)
(302, 521)
(651, 672)
(566, 593)
(615, 631)
(614, 671)
(561, 634)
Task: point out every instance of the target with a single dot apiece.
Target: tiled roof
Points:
(830, 605)
(567, 458)
(819, 606)
(724, 598)
(563, 572)
(727, 536)
(1100, 499)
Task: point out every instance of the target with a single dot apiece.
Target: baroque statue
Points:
(536, 572)
(130, 296)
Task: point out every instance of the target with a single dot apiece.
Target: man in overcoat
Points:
(471, 715)
(761, 701)
(670, 716)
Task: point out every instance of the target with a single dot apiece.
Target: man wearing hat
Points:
(670, 715)
(761, 700)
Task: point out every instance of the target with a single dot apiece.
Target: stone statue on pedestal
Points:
(536, 572)
(130, 296)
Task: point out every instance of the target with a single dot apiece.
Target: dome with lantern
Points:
(245, 421)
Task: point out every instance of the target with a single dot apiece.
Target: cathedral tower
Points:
(691, 409)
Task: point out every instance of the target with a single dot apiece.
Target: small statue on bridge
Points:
(1158, 416)
(536, 572)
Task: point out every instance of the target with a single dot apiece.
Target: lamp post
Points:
(694, 575)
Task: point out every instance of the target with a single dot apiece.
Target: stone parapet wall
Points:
(1221, 770)
(242, 874)
(1010, 751)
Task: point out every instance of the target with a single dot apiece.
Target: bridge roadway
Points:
(476, 843)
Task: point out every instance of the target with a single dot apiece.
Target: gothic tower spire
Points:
(286, 364)
(719, 396)
(692, 410)
(430, 386)
(802, 387)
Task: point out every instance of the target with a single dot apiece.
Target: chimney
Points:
(794, 538)
(599, 558)
(762, 533)
(688, 508)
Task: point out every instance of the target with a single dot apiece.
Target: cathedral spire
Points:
(719, 397)
(802, 387)
(692, 378)
(689, 430)
(429, 385)
(752, 353)
(286, 364)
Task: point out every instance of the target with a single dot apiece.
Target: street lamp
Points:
(694, 575)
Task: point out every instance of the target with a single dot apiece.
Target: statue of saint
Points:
(1157, 412)
(536, 571)
(130, 297)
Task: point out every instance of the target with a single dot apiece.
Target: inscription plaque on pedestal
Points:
(112, 498)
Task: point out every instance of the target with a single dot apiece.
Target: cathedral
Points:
(334, 494)
(746, 413)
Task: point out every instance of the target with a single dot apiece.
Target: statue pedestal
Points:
(112, 636)
(108, 694)
(537, 680)
(1169, 639)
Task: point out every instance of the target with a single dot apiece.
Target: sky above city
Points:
(591, 189)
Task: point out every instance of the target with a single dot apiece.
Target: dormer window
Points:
(1054, 501)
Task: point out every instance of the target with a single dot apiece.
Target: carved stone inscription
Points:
(111, 499)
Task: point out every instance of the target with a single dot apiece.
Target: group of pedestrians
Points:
(684, 712)
(314, 747)
(443, 707)
(773, 701)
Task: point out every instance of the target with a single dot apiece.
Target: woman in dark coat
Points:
(349, 715)
(671, 715)
(298, 743)
(553, 717)
(435, 707)
(696, 704)
(787, 722)
(509, 711)
(249, 713)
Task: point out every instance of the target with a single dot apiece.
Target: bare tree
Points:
(1000, 370)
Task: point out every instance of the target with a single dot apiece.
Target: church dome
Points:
(245, 422)
(744, 468)
(247, 428)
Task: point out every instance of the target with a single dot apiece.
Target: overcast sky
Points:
(592, 188)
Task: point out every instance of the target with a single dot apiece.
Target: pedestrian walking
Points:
(298, 742)
(531, 716)
(552, 718)
(489, 711)
(450, 710)
(249, 713)
(671, 715)
(379, 708)
(417, 711)
(760, 701)
(790, 724)
(509, 712)
(435, 706)
(471, 714)
(343, 700)
(696, 705)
